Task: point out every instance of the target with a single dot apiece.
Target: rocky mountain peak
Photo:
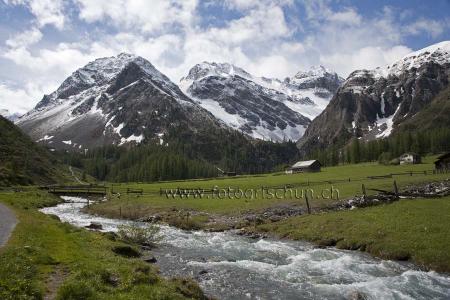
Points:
(437, 53)
(99, 73)
(261, 107)
(205, 69)
(113, 100)
(371, 104)
(316, 77)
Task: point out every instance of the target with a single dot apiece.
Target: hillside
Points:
(433, 116)
(22, 162)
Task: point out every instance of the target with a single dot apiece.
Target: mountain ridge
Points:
(116, 100)
(258, 106)
(371, 104)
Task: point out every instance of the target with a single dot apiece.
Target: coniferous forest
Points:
(431, 141)
(178, 160)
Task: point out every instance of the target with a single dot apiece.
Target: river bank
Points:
(229, 266)
(384, 225)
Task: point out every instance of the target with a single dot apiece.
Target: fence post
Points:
(307, 203)
(364, 190)
(395, 188)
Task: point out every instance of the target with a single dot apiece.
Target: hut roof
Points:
(304, 164)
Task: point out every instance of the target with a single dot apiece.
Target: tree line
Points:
(384, 150)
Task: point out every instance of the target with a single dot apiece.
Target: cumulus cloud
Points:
(141, 15)
(25, 38)
(46, 11)
(18, 100)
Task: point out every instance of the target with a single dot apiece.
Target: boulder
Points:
(150, 259)
(95, 226)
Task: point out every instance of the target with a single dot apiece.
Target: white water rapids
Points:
(228, 266)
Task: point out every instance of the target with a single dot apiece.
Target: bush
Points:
(185, 223)
(189, 288)
(126, 251)
(133, 233)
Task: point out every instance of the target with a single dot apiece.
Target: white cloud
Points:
(19, 100)
(47, 12)
(364, 58)
(432, 27)
(141, 15)
(347, 16)
(259, 25)
(25, 38)
(243, 5)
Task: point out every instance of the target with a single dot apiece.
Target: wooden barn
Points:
(304, 167)
(443, 162)
(410, 158)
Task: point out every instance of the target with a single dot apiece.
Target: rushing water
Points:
(229, 266)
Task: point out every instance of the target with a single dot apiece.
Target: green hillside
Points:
(23, 162)
(433, 116)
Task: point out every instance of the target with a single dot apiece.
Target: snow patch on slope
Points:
(387, 123)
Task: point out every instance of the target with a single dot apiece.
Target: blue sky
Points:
(44, 41)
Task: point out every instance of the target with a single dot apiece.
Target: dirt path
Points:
(74, 176)
(55, 280)
(7, 223)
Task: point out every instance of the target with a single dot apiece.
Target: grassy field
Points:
(45, 257)
(348, 179)
(417, 230)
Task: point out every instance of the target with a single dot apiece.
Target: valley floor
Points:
(47, 258)
(416, 230)
(215, 210)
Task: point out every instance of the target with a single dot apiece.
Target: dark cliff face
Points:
(369, 106)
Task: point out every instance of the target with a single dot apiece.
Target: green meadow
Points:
(347, 179)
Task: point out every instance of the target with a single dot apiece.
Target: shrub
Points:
(133, 233)
(126, 251)
(185, 222)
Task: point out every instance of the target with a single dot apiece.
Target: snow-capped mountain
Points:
(263, 108)
(114, 100)
(373, 103)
